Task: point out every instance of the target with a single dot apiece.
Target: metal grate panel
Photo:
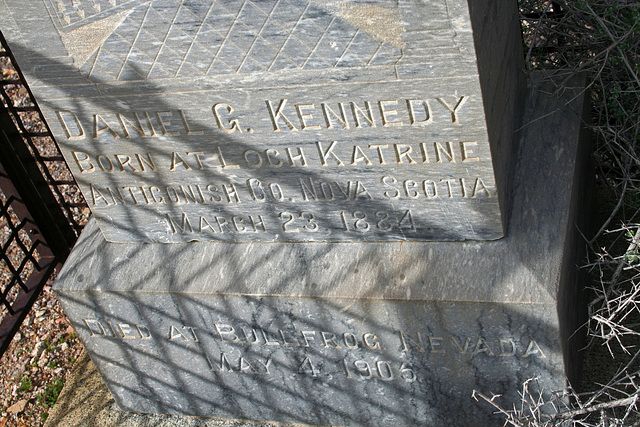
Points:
(41, 209)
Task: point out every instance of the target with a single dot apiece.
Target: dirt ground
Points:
(39, 359)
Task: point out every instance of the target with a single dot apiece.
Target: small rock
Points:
(38, 349)
(17, 336)
(17, 407)
(64, 346)
(43, 362)
(40, 313)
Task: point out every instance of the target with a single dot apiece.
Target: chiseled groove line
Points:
(150, 57)
(289, 35)
(164, 40)
(346, 49)
(115, 56)
(214, 29)
(124, 63)
(318, 44)
(226, 37)
(95, 61)
(383, 45)
(160, 65)
(281, 85)
(395, 66)
(323, 30)
(184, 58)
(392, 54)
(142, 52)
(304, 43)
(275, 49)
(215, 55)
(451, 31)
(375, 54)
(258, 35)
(229, 42)
(103, 69)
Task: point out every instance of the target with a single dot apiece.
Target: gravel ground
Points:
(38, 361)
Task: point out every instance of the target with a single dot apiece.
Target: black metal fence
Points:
(41, 208)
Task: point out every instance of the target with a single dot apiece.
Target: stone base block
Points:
(371, 334)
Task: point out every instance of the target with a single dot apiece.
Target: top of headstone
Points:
(270, 120)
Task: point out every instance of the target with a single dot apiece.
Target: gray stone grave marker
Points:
(278, 120)
(369, 334)
(315, 164)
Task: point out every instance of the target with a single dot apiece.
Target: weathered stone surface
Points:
(279, 120)
(318, 361)
(86, 401)
(350, 333)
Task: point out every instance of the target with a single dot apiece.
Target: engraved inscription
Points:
(304, 188)
(400, 357)
(284, 115)
(387, 113)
